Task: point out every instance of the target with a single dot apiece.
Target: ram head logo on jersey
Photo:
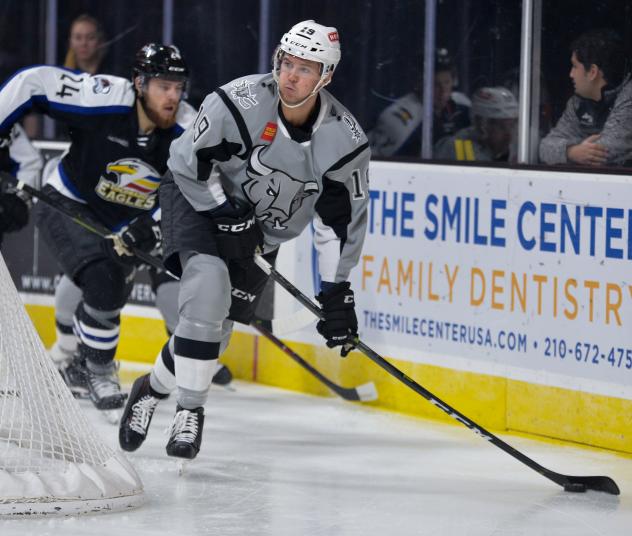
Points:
(242, 93)
(275, 195)
(130, 182)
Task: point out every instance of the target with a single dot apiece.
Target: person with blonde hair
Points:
(86, 45)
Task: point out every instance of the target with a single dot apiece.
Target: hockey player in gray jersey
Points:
(287, 154)
(120, 134)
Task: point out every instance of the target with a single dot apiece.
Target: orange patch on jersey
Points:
(269, 132)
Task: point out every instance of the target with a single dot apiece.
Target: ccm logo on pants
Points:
(243, 295)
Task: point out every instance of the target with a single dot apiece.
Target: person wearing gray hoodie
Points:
(596, 126)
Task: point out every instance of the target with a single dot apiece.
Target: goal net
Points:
(52, 461)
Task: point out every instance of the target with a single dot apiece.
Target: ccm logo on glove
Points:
(236, 227)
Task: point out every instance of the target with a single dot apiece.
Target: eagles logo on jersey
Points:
(275, 195)
(130, 182)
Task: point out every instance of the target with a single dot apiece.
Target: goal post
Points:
(52, 461)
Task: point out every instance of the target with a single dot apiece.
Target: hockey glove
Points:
(6, 164)
(14, 212)
(339, 324)
(143, 233)
(237, 233)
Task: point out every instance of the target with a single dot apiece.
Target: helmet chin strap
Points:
(318, 87)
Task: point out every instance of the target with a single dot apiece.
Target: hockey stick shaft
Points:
(570, 483)
(348, 393)
(92, 227)
(286, 324)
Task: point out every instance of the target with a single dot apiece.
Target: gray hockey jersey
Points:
(291, 181)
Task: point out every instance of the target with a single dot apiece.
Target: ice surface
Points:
(280, 463)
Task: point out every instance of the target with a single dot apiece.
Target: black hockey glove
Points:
(237, 233)
(6, 164)
(14, 212)
(339, 325)
(143, 233)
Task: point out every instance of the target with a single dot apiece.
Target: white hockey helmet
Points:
(311, 41)
(494, 103)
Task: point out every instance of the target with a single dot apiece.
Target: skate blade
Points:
(80, 394)
(181, 466)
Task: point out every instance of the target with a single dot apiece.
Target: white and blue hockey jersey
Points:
(106, 167)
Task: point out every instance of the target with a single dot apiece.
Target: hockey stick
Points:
(283, 325)
(94, 228)
(364, 393)
(568, 482)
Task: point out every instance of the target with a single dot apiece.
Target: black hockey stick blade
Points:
(568, 482)
(362, 393)
(579, 484)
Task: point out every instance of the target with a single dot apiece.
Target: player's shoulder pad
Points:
(108, 90)
(248, 93)
(339, 126)
(77, 88)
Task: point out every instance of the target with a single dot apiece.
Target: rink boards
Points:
(506, 293)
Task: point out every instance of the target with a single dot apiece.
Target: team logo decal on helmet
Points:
(130, 182)
(243, 94)
(275, 195)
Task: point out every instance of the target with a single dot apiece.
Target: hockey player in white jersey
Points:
(288, 153)
(120, 136)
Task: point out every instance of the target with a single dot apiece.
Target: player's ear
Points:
(138, 85)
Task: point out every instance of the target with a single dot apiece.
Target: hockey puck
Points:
(575, 487)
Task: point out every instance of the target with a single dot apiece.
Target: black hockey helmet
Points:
(155, 60)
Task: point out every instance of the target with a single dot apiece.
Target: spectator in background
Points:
(596, 126)
(86, 45)
(398, 128)
(86, 52)
(491, 138)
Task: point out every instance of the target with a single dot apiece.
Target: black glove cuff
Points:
(340, 296)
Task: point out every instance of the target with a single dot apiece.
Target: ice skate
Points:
(137, 415)
(61, 356)
(104, 388)
(75, 376)
(185, 435)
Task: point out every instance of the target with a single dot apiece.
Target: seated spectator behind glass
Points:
(491, 138)
(86, 50)
(596, 126)
(86, 45)
(397, 131)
